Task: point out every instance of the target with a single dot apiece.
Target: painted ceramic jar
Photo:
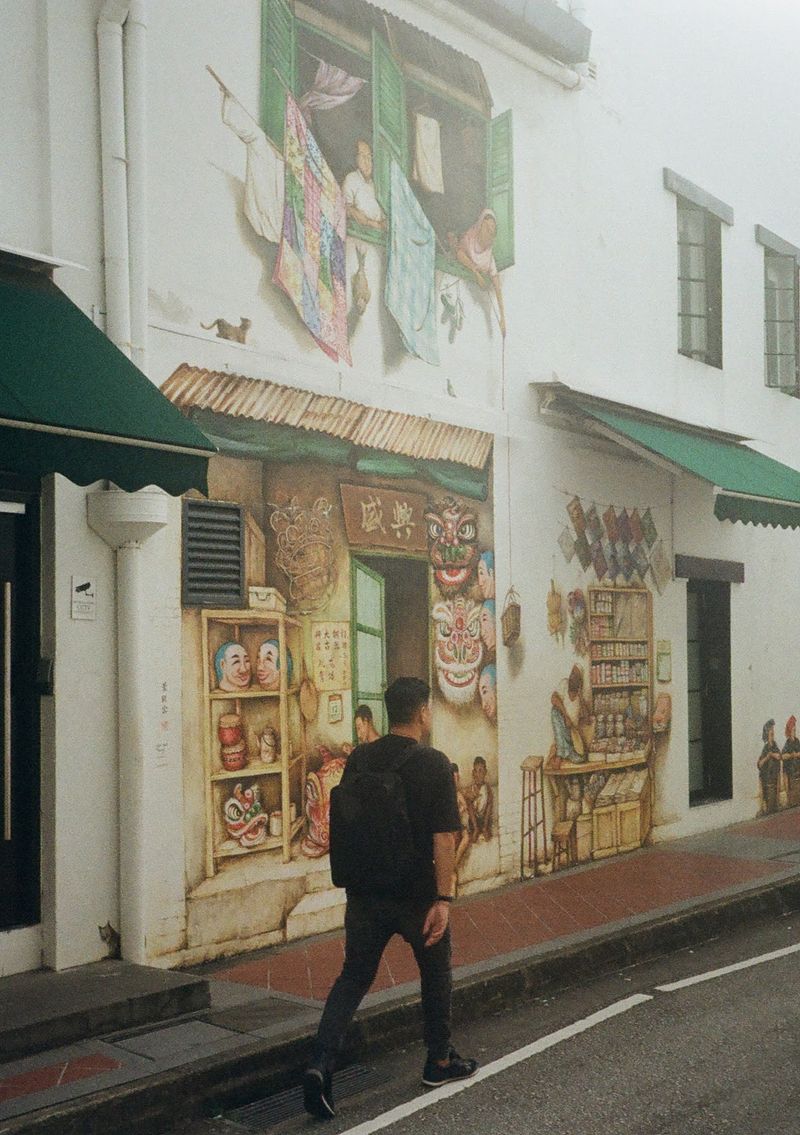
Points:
(229, 729)
(234, 757)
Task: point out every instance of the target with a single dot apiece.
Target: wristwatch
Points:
(444, 898)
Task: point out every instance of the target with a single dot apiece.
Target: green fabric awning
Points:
(72, 403)
(243, 437)
(748, 486)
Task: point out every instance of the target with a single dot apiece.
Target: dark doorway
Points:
(19, 710)
(390, 625)
(708, 622)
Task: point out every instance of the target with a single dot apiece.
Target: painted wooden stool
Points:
(564, 850)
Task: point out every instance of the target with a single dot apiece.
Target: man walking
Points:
(415, 904)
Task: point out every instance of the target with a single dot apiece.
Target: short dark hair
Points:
(365, 713)
(454, 767)
(479, 761)
(405, 698)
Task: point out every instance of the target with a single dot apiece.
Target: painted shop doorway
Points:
(708, 622)
(390, 626)
(19, 711)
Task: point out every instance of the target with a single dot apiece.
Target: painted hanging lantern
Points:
(459, 650)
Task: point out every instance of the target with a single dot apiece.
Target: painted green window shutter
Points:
(278, 65)
(500, 187)
(368, 603)
(389, 122)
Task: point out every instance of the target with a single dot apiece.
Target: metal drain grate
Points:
(260, 1115)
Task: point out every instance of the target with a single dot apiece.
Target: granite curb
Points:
(221, 1082)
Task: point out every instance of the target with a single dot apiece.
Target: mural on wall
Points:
(779, 768)
(375, 133)
(605, 719)
(305, 551)
(623, 546)
(354, 578)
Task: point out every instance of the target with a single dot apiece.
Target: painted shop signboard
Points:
(384, 518)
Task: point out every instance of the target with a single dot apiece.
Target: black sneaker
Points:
(318, 1093)
(457, 1068)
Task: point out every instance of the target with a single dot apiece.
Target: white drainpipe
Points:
(122, 68)
(126, 521)
(115, 175)
(136, 123)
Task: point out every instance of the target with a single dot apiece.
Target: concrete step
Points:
(316, 913)
(44, 1010)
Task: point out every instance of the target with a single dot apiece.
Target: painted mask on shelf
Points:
(245, 820)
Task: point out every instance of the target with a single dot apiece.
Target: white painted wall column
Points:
(125, 521)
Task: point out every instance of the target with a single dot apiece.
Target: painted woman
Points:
(769, 767)
(474, 249)
(791, 762)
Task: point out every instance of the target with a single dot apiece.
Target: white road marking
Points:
(712, 973)
(436, 1095)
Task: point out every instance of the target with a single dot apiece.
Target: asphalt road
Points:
(616, 1056)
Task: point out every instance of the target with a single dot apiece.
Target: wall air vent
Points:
(213, 554)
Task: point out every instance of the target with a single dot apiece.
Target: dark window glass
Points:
(780, 321)
(699, 284)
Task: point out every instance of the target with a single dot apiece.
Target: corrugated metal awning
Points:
(424, 57)
(259, 400)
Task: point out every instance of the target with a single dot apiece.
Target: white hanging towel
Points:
(263, 187)
(427, 169)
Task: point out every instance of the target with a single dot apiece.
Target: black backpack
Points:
(371, 840)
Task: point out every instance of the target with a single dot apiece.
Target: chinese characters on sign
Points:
(384, 518)
(330, 649)
(162, 744)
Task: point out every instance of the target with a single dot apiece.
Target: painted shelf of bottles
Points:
(254, 733)
(620, 675)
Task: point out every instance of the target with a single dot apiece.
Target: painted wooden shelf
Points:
(253, 770)
(278, 708)
(243, 695)
(271, 843)
(626, 760)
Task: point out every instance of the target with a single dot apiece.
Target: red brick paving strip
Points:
(66, 1072)
(782, 825)
(542, 911)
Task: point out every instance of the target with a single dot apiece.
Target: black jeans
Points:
(369, 923)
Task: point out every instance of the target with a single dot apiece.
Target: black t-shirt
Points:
(430, 796)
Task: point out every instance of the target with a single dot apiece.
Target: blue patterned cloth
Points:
(410, 292)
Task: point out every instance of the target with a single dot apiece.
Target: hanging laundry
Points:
(427, 168)
(311, 263)
(410, 292)
(263, 182)
(332, 87)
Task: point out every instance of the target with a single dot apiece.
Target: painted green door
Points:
(500, 186)
(389, 122)
(278, 65)
(369, 641)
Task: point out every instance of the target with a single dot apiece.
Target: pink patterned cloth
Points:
(332, 87)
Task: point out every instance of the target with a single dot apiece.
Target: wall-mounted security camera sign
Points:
(84, 598)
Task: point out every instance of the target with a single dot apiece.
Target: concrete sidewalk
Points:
(509, 945)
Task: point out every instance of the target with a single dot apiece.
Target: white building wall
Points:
(590, 300)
